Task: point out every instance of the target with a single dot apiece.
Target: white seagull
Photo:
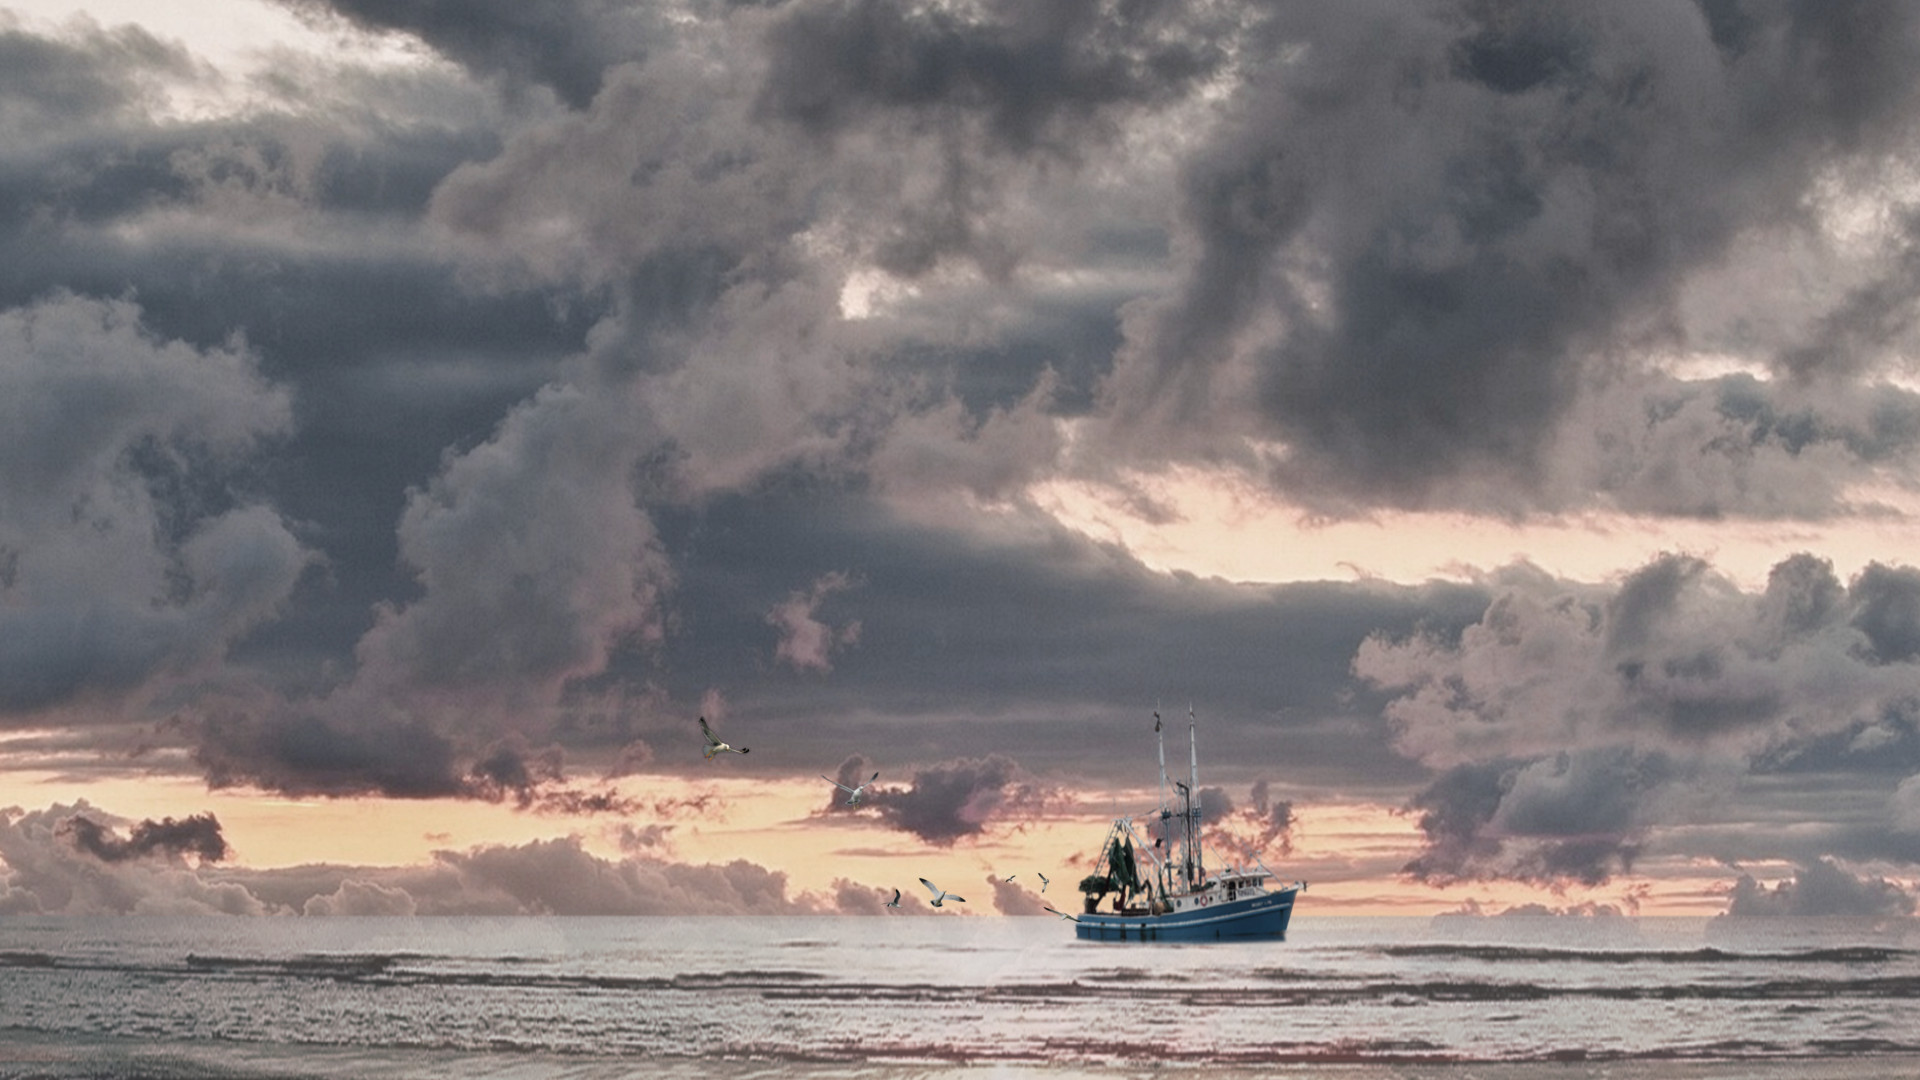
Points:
(895, 902)
(1043, 881)
(1062, 914)
(854, 794)
(940, 894)
(714, 745)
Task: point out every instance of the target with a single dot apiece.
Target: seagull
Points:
(940, 894)
(1062, 914)
(854, 794)
(1043, 881)
(1008, 878)
(895, 902)
(714, 745)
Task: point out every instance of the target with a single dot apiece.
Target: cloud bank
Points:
(459, 420)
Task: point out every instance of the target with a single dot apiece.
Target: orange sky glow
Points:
(1347, 852)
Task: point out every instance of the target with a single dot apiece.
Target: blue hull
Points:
(1259, 917)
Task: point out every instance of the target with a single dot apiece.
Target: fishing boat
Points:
(1176, 898)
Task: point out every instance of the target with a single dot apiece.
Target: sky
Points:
(1497, 426)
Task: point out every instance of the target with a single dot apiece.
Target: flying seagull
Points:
(854, 794)
(1062, 914)
(714, 745)
(1008, 878)
(895, 902)
(940, 894)
(1043, 881)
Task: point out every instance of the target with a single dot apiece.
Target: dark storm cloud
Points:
(1888, 612)
(1855, 336)
(1428, 232)
(1574, 817)
(1034, 73)
(969, 104)
(1035, 642)
(565, 46)
(954, 799)
(197, 835)
(312, 755)
(47, 84)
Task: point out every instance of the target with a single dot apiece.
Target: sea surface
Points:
(947, 996)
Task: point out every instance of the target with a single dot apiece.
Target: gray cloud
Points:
(853, 772)
(1034, 74)
(806, 643)
(197, 835)
(1821, 887)
(565, 47)
(89, 74)
(1010, 898)
(125, 554)
(1565, 722)
(355, 897)
(1246, 835)
(44, 868)
(309, 754)
(955, 799)
(47, 866)
(445, 436)
(1496, 207)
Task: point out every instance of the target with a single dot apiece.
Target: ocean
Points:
(960, 997)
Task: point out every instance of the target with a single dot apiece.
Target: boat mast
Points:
(1165, 814)
(1162, 740)
(1197, 859)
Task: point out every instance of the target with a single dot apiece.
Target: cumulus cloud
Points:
(806, 643)
(1563, 722)
(1012, 898)
(1675, 657)
(534, 562)
(46, 867)
(355, 897)
(127, 555)
(534, 558)
(1442, 333)
(1244, 835)
(1821, 887)
(456, 416)
(51, 862)
(946, 802)
(852, 773)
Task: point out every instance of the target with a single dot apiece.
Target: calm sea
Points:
(949, 996)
